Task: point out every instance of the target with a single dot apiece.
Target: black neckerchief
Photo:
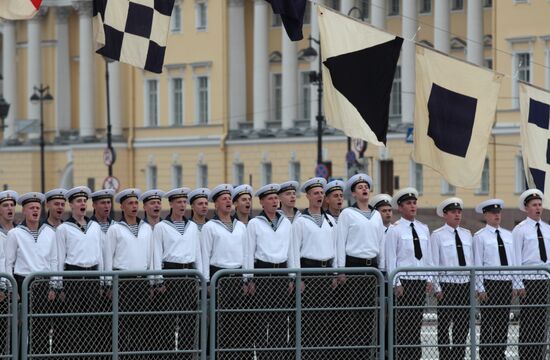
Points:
(72, 220)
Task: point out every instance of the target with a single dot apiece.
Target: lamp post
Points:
(315, 77)
(40, 95)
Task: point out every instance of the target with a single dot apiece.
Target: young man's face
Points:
(270, 203)
(78, 206)
(130, 206)
(178, 206)
(7, 210)
(534, 209)
(200, 206)
(288, 198)
(493, 218)
(408, 208)
(243, 204)
(223, 204)
(102, 208)
(316, 196)
(361, 192)
(152, 208)
(453, 217)
(387, 212)
(56, 208)
(31, 211)
(335, 199)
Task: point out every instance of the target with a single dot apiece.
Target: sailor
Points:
(493, 247)
(128, 247)
(452, 247)
(79, 248)
(334, 198)
(531, 245)
(242, 201)
(360, 243)
(268, 247)
(287, 198)
(152, 204)
(222, 247)
(102, 202)
(382, 203)
(198, 198)
(407, 245)
(176, 242)
(30, 247)
(55, 206)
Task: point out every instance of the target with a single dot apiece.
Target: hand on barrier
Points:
(429, 287)
(161, 289)
(482, 296)
(107, 293)
(522, 293)
(61, 296)
(2, 296)
(399, 291)
(342, 279)
(439, 295)
(249, 288)
(51, 295)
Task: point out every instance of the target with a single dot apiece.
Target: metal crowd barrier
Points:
(8, 317)
(470, 312)
(112, 315)
(335, 314)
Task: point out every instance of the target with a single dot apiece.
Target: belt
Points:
(268, 265)
(70, 267)
(167, 265)
(305, 262)
(362, 261)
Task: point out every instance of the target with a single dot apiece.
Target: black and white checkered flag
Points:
(133, 31)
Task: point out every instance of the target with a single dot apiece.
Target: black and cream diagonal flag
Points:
(133, 31)
(292, 14)
(359, 66)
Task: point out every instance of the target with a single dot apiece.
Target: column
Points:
(9, 71)
(86, 72)
(474, 43)
(261, 65)
(290, 81)
(115, 99)
(408, 61)
(34, 64)
(346, 6)
(378, 13)
(442, 26)
(237, 64)
(314, 66)
(62, 71)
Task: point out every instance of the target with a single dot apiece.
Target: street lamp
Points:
(40, 95)
(315, 77)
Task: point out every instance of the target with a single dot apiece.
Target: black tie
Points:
(459, 250)
(416, 242)
(542, 247)
(501, 250)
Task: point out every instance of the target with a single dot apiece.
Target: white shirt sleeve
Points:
(341, 237)
(206, 250)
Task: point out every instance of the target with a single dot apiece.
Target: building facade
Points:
(234, 102)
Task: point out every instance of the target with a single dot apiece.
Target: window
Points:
(276, 20)
(457, 5)
(446, 188)
(393, 8)
(484, 185)
(487, 3)
(202, 175)
(151, 177)
(305, 96)
(521, 181)
(417, 176)
(294, 170)
(175, 22)
(425, 6)
(522, 68)
(266, 173)
(177, 176)
(151, 102)
(176, 101)
(238, 173)
(277, 96)
(202, 110)
(202, 15)
(395, 96)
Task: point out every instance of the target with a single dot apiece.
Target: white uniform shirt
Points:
(24, 255)
(3, 241)
(400, 249)
(486, 254)
(220, 247)
(359, 237)
(266, 244)
(171, 246)
(79, 248)
(526, 246)
(312, 241)
(444, 253)
(297, 214)
(124, 251)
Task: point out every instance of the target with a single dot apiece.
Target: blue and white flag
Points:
(535, 136)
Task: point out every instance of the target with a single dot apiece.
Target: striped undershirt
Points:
(229, 226)
(366, 213)
(104, 227)
(34, 234)
(200, 226)
(318, 219)
(134, 229)
(180, 226)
